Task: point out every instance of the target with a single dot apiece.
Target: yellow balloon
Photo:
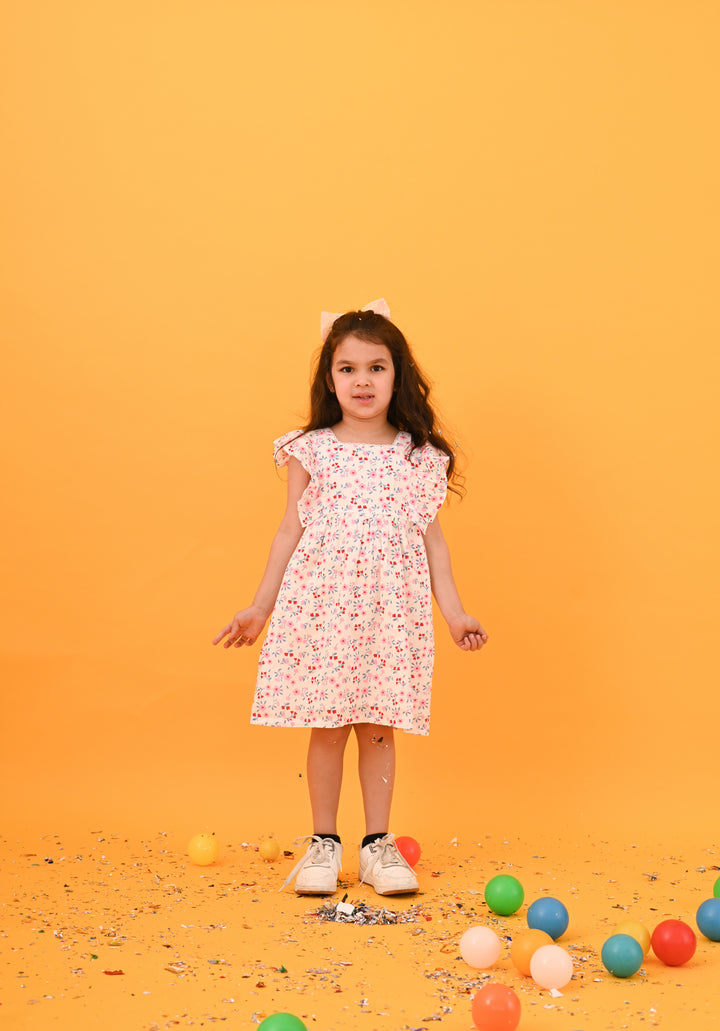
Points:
(269, 849)
(637, 931)
(203, 849)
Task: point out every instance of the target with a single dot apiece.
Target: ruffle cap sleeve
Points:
(294, 444)
(431, 484)
(297, 444)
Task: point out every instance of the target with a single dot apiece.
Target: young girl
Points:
(348, 583)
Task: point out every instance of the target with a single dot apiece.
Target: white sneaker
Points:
(317, 872)
(384, 869)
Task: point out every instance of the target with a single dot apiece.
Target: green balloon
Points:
(504, 894)
(716, 889)
(282, 1022)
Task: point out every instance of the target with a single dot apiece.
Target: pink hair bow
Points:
(327, 318)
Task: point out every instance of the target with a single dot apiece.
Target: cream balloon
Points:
(480, 947)
(551, 966)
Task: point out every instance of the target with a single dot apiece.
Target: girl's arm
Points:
(465, 630)
(248, 624)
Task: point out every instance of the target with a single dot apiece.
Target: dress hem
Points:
(335, 726)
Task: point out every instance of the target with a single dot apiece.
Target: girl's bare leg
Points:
(376, 765)
(324, 773)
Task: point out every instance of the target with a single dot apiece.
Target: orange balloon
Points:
(496, 1007)
(637, 931)
(203, 849)
(525, 946)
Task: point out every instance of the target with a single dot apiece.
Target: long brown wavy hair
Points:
(410, 408)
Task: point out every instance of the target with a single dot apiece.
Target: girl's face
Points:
(363, 377)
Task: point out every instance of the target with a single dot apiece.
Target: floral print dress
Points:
(351, 635)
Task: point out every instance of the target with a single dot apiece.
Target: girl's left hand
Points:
(467, 633)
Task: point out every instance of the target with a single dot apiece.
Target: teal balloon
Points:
(708, 919)
(716, 889)
(282, 1022)
(622, 955)
(504, 894)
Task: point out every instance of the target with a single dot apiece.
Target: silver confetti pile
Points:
(360, 913)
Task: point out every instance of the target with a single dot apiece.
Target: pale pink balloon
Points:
(551, 966)
(480, 947)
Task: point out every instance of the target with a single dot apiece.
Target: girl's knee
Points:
(371, 734)
(329, 737)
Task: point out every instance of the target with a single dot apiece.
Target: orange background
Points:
(533, 187)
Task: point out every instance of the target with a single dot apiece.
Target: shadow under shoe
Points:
(318, 870)
(384, 869)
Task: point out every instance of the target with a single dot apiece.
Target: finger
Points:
(219, 637)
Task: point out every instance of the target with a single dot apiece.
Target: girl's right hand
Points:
(245, 628)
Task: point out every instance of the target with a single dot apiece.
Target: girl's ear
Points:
(329, 383)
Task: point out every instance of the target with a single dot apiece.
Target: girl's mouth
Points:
(363, 397)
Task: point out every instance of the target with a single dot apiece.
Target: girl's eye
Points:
(350, 368)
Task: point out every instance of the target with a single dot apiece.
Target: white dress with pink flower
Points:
(351, 635)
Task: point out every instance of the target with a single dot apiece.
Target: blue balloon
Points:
(622, 955)
(708, 919)
(550, 916)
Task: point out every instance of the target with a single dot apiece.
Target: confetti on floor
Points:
(105, 929)
(361, 913)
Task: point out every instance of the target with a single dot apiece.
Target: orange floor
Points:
(101, 928)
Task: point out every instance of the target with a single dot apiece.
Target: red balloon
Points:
(408, 849)
(673, 942)
(496, 1008)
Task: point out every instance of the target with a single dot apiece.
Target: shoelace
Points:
(320, 852)
(386, 854)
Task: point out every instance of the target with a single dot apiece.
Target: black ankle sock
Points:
(334, 837)
(369, 838)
